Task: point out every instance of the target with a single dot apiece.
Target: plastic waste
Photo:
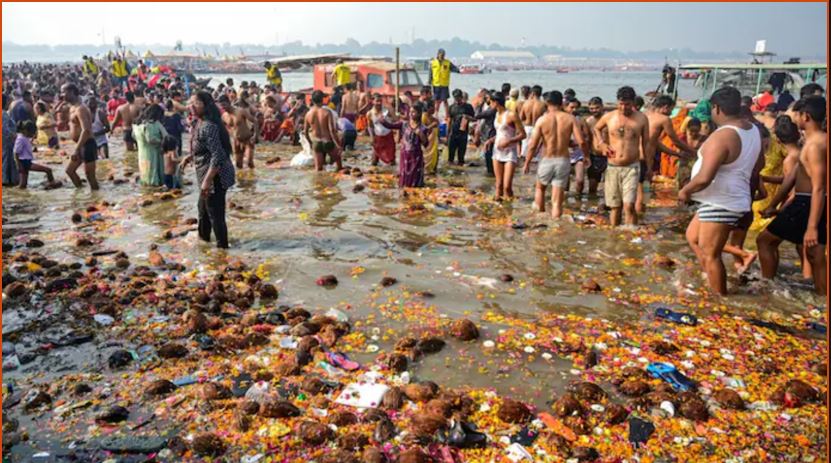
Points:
(304, 158)
(257, 392)
(103, 319)
(516, 452)
(362, 395)
(639, 431)
(525, 436)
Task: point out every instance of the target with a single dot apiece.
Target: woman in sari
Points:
(413, 136)
(432, 125)
(149, 134)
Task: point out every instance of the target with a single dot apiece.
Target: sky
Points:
(789, 28)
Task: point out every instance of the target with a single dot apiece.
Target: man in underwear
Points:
(350, 104)
(625, 143)
(579, 161)
(659, 125)
(245, 131)
(80, 129)
(531, 110)
(803, 220)
(100, 126)
(597, 162)
(555, 129)
(321, 132)
(125, 115)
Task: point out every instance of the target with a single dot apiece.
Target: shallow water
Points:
(302, 225)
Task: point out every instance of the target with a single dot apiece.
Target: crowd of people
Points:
(730, 155)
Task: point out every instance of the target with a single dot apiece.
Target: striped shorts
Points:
(708, 213)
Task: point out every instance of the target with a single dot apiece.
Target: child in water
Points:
(172, 179)
(24, 154)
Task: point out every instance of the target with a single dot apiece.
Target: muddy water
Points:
(301, 225)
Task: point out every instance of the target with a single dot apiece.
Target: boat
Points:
(373, 74)
(752, 78)
(473, 69)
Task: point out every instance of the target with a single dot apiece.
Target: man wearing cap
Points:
(439, 79)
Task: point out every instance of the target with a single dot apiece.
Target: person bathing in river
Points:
(554, 131)
(623, 136)
(721, 183)
(414, 138)
(24, 154)
(803, 220)
(321, 132)
(509, 133)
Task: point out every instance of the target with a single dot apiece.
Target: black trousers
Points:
(457, 144)
(489, 160)
(212, 216)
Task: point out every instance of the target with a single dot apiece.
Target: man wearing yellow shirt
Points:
(90, 67)
(120, 70)
(439, 79)
(275, 78)
(341, 75)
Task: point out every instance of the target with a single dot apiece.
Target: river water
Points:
(587, 84)
(451, 241)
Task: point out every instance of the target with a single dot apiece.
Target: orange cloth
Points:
(361, 123)
(669, 164)
(287, 126)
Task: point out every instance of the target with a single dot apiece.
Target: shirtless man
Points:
(803, 220)
(555, 129)
(80, 129)
(659, 124)
(245, 130)
(350, 104)
(529, 112)
(125, 115)
(625, 143)
(597, 162)
(577, 154)
(319, 129)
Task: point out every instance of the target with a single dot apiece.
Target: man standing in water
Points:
(80, 129)
(350, 104)
(319, 129)
(598, 162)
(125, 115)
(439, 79)
(659, 125)
(720, 183)
(803, 220)
(556, 129)
(531, 110)
(625, 144)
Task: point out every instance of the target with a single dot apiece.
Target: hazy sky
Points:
(790, 28)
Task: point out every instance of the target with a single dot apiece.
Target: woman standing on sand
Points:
(210, 148)
(149, 134)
